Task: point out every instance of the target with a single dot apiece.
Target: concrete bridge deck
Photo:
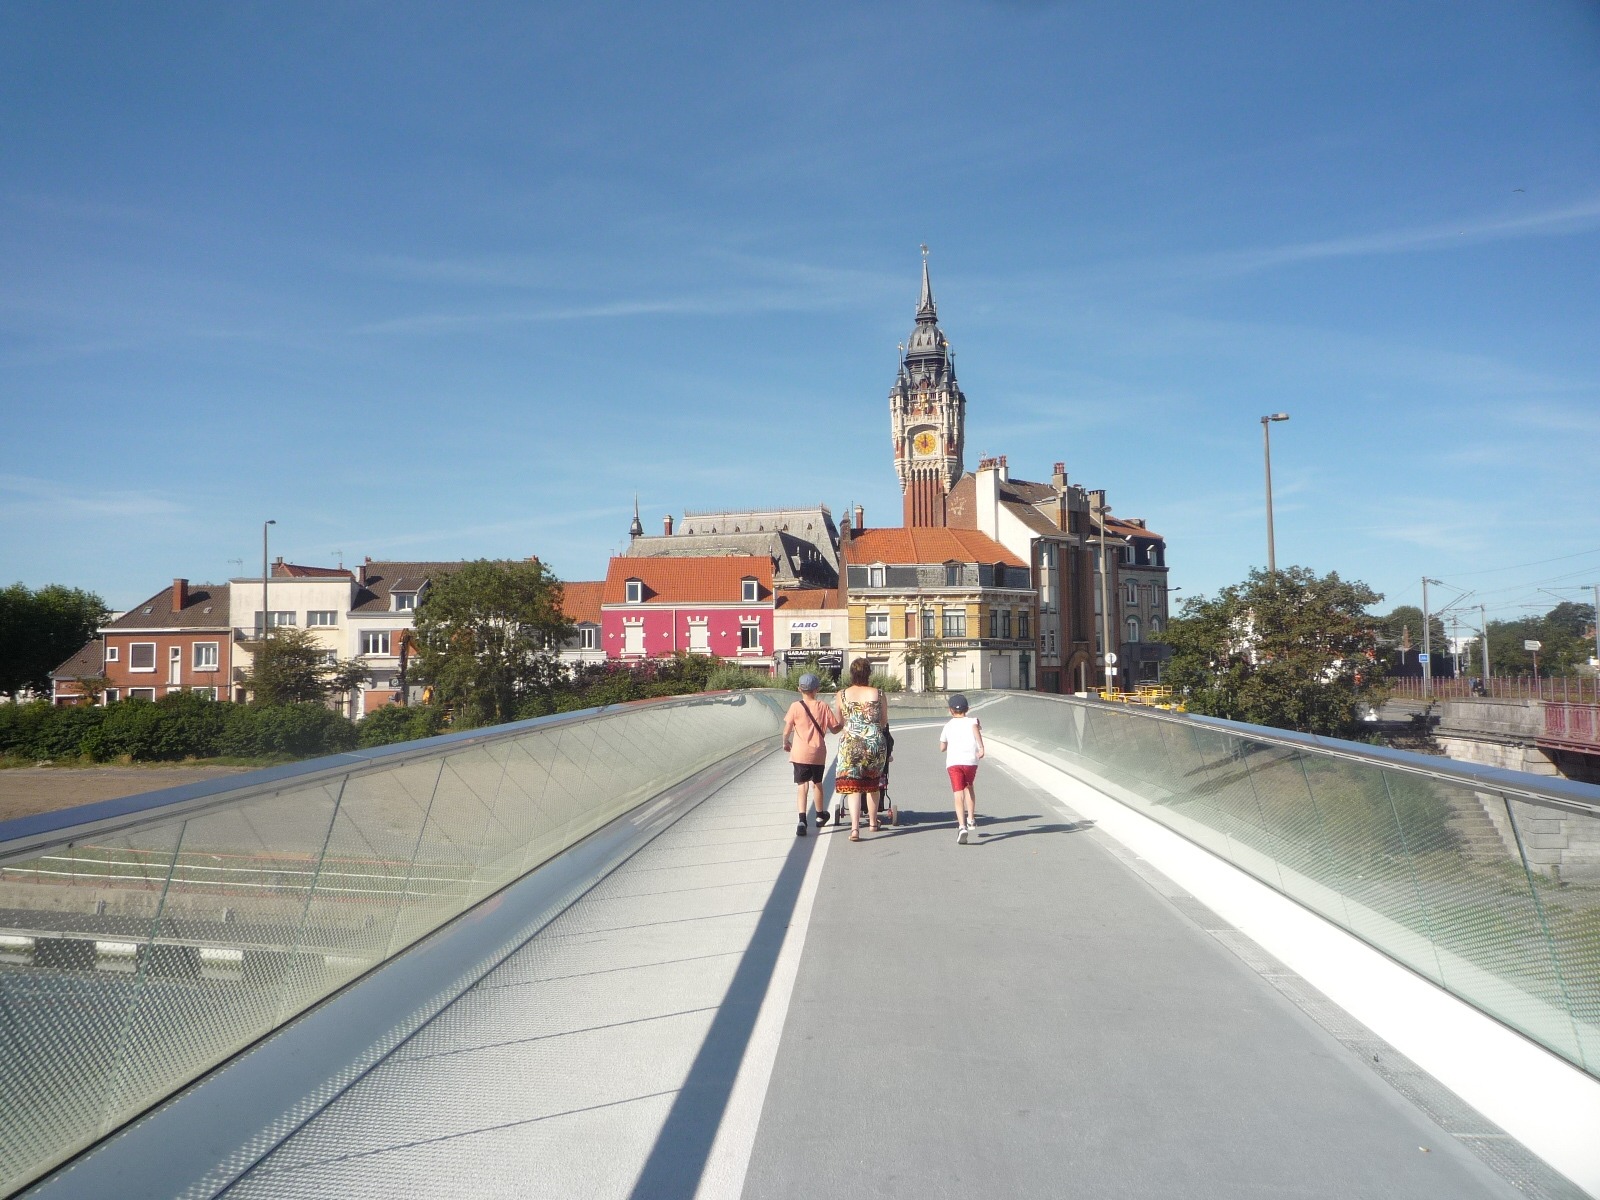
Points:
(739, 1012)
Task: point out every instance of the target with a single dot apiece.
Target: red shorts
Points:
(962, 777)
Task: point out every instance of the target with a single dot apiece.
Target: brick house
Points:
(180, 638)
(721, 605)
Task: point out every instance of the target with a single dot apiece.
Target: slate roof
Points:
(87, 663)
(798, 559)
(928, 545)
(716, 579)
(1127, 529)
(580, 601)
(386, 577)
(206, 608)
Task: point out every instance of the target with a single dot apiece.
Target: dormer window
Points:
(751, 590)
(403, 601)
(952, 574)
(999, 574)
(875, 576)
(635, 591)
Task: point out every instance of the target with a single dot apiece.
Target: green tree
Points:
(40, 630)
(290, 666)
(487, 636)
(1288, 649)
(929, 657)
(1403, 628)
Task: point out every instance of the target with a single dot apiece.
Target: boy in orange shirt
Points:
(805, 729)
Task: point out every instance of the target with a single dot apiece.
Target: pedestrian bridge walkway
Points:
(588, 957)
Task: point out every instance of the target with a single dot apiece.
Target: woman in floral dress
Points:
(864, 748)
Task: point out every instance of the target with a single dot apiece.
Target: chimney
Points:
(1005, 471)
(844, 529)
(1059, 477)
(666, 525)
(361, 572)
(180, 594)
(861, 517)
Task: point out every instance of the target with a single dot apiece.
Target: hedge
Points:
(181, 725)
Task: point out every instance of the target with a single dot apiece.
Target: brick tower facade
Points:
(927, 417)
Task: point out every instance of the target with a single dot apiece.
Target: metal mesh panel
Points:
(131, 963)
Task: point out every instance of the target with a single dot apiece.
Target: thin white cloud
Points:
(24, 495)
(1551, 222)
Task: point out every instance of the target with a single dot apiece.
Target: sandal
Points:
(855, 835)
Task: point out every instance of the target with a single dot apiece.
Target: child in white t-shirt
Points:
(961, 739)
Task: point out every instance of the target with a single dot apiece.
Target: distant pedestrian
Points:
(805, 736)
(961, 739)
(864, 748)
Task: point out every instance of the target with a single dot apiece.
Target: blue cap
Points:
(809, 682)
(957, 703)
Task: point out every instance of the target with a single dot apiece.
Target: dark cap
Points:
(957, 703)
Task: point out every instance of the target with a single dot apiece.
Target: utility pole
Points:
(1266, 449)
(1596, 587)
(1427, 640)
(1483, 627)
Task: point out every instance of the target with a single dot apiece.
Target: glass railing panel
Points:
(1218, 804)
(1482, 914)
(212, 971)
(78, 920)
(443, 864)
(1370, 855)
(1294, 825)
(1561, 851)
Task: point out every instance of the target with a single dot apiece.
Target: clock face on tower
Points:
(925, 444)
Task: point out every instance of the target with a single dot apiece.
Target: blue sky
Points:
(457, 281)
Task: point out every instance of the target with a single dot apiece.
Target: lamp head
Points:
(1274, 417)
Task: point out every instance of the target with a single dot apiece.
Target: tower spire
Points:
(925, 309)
(637, 528)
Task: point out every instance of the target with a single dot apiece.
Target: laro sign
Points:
(805, 624)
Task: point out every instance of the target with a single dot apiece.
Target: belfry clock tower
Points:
(927, 416)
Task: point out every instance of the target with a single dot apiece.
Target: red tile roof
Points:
(580, 600)
(712, 580)
(928, 545)
(809, 598)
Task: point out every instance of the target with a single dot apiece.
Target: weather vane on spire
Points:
(924, 249)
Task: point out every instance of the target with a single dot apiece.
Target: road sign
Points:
(1530, 644)
(1111, 659)
(1422, 658)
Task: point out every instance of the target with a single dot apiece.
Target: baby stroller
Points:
(886, 813)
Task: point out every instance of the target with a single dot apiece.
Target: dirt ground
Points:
(28, 790)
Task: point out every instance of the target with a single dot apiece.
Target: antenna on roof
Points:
(339, 554)
(238, 562)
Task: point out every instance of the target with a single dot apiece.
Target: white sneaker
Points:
(961, 835)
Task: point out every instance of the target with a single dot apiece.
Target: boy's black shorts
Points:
(808, 772)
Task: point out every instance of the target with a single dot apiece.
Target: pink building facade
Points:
(720, 606)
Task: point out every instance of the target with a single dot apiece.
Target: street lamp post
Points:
(265, 617)
(1427, 640)
(1266, 449)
